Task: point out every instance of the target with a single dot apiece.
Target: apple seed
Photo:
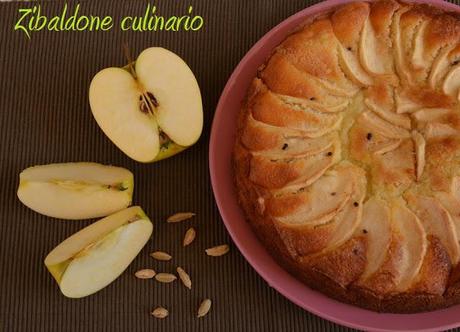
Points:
(153, 99)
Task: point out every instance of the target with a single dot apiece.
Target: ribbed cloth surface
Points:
(45, 118)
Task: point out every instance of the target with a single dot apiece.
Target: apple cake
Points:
(347, 158)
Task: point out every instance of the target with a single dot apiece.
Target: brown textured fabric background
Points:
(45, 118)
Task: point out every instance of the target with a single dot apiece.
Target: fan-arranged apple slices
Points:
(352, 67)
(436, 221)
(441, 162)
(400, 120)
(365, 141)
(405, 104)
(270, 109)
(436, 262)
(399, 51)
(381, 80)
(444, 62)
(310, 231)
(314, 51)
(95, 256)
(321, 200)
(407, 22)
(150, 110)
(417, 60)
(380, 99)
(451, 83)
(394, 171)
(437, 122)
(396, 247)
(377, 124)
(431, 38)
(76, 190)
(290, 173)
(376, 225)
(343, 258)
(285, 79)
(414, 243)
(351, 217)
(277, 143)
(452, 205)
(375, 51)
(409, 100)
(347, 23)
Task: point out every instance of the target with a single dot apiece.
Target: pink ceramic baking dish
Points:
(220, 151)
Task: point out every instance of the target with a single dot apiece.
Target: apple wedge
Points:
(92, 258)
(151, 109)
(76, 190)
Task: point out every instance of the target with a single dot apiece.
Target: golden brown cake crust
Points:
(347, 158)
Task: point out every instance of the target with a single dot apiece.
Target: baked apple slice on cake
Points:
(436, 221)
(283, 78)
(270, 109)
(432, 37)
(347, 23)
(375, 51)
(313, 50)
(277, 143)
(305, 235)
(444, 62)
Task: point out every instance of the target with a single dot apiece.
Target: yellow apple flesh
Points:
(92, 258)
(151, 111)
(76, 190)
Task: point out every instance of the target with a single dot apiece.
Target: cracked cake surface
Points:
(347, 158)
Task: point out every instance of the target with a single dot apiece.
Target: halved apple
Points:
(92, 258)
(151, 109)
(76, 190)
